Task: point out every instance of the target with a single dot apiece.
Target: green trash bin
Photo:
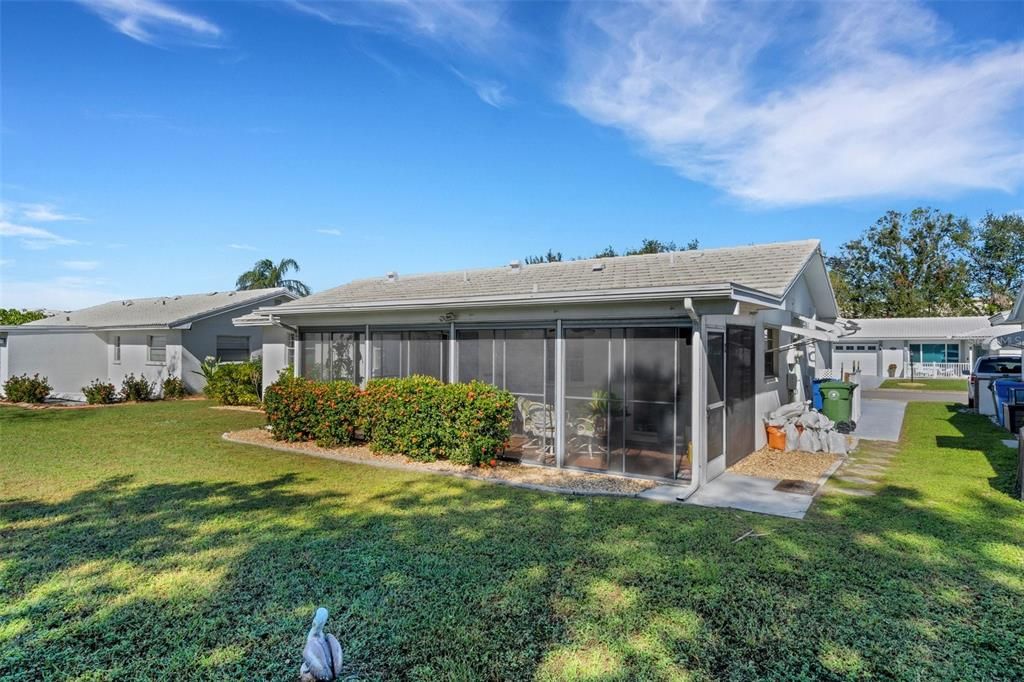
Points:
(837, 400)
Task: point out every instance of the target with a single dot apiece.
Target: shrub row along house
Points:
(657, 365)
(155, 337)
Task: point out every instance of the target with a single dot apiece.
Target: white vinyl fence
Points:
(933, 370)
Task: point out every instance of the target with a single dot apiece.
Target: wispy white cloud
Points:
(330, 231)
(60, 293)
(475, 26)
(153, 22)
(80, 265)
(242, 247)
(6, 262)
(882, 102)
(489, 91)
(33, 237)
(46, 213)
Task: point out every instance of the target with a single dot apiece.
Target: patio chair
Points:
(538, 425)
(584, 436)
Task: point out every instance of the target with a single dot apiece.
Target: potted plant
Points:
(892, 369)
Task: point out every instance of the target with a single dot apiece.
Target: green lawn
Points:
(135, 544)
(926, 384)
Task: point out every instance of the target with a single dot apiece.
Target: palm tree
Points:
(266, 275)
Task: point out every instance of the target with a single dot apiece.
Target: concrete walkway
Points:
(880, 419)
(916, 395)
(753, 494)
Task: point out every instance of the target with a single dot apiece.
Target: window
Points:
(934, 352)
(158, 348)
(771, 352)
(332, 356)
(117, 349)
(402, 354)
(289, 351)
(232, 348)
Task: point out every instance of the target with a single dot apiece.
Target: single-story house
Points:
(924, 346)
(154, 337)
(658, 366)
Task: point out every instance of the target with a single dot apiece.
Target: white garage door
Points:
(848, 356)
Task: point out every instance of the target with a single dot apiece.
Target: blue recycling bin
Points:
(1005, 390)
(816, 399)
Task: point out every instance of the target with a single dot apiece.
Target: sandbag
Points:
(792, 437)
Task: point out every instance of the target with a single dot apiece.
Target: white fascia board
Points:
(724, 290)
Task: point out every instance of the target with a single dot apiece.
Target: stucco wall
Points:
(135, 356)
(275, 341)
(68, 360)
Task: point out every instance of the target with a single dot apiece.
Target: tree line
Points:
(646, 246)
(927, 263)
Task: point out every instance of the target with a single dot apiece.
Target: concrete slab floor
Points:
(751, 493)
(880, 420)
(665, 493)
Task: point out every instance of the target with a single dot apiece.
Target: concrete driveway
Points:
(916, 396)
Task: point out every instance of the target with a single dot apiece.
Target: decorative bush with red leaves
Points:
(301, 410)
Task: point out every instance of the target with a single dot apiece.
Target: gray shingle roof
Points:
(164, 311)
(916, 327)
(769, 268)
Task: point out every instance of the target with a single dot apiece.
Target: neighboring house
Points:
(154, 337)
(658, 365)
(926, 346)
(1016, 314)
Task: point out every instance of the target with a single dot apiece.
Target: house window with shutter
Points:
(232, 348)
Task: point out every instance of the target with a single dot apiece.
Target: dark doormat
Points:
(790, 485)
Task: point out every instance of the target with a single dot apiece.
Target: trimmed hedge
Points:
(299, 410)
(419, 417)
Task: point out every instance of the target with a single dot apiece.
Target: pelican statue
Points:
(321, 659)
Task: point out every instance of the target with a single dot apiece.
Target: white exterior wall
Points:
(275, 344)
(68, 360)
(135, 356)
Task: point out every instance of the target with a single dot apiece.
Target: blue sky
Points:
(154, 147)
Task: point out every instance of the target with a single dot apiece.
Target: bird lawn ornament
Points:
(322, 657)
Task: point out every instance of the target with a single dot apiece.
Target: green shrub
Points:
(425, 419)
(27, 389)
(100, 393)
(137, 389)
(419, 417)
(234, 383)
(300, 410)
(173, 388)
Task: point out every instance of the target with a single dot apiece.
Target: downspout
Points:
(698, 402)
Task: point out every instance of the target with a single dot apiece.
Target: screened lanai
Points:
(625, 406)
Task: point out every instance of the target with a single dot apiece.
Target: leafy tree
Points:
(607, 252)
(12, 316)
(266, 275)
(997, 260)
(549, 257)
(906, 265)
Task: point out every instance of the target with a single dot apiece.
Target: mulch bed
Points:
(510, 473)
(776, 464)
